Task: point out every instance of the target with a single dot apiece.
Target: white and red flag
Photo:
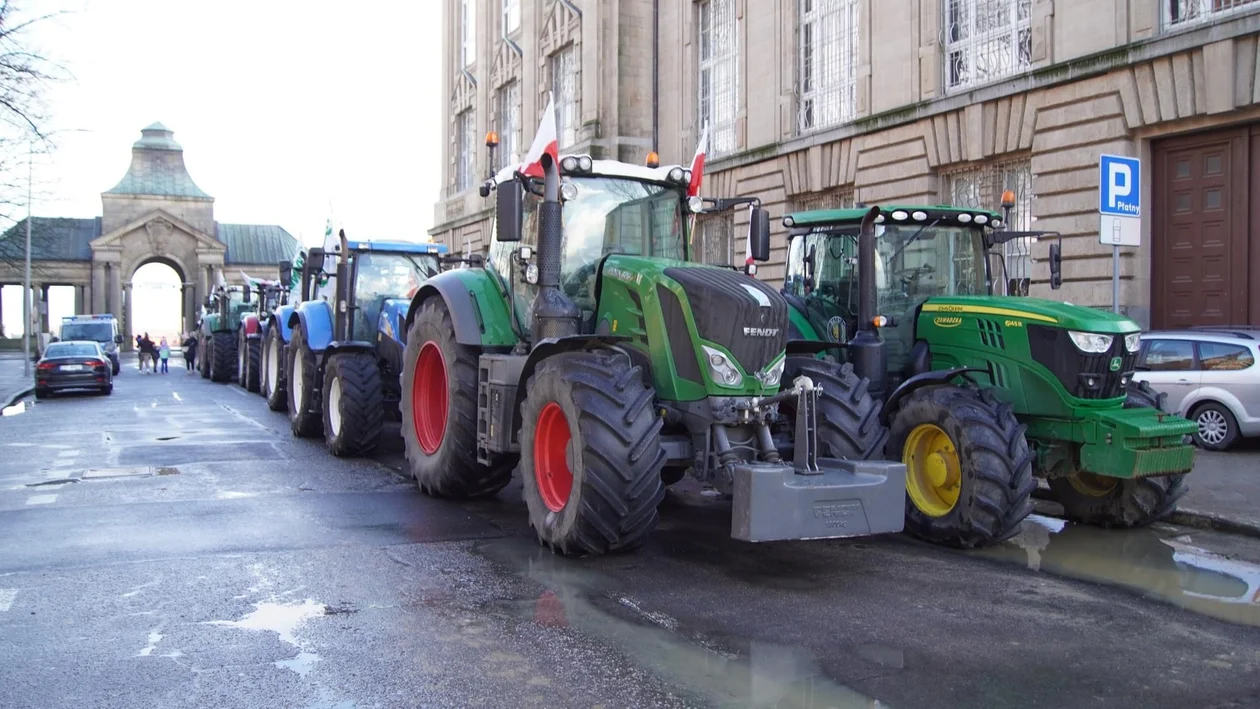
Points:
(697, 163)
(545, 142)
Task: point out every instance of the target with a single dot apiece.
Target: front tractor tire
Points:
(273, 371)
(439, 411)
(848, 417)
(354, 406)
(591, 454)
(969, 476)
(305, 418)
(1114, 503)
(204, 353)
(223, 357)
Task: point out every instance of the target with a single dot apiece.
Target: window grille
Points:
(831, 199)
(564, 91)
(981, 188)
(826, 63)
(719, 73)
(511, 16)
(713, 240)
(509, 101)
(986, 40)
(466, 140)
(468, 31)
(1185, 13)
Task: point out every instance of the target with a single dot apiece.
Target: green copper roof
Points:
(854, 215)
(256, 244)
(157, 167)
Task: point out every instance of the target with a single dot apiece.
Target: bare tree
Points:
(25, 76)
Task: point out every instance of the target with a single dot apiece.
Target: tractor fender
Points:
(281, 318)
(342, 346)
(315, 316)
(476, 304)
(918, 381)
(553, 346)
(251, 326)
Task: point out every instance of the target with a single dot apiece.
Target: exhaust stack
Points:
(555, 315)
(866, 349)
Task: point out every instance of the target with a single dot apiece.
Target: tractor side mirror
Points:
(811, 264)
(1056, 266)
(209, 302)
(509, 211)
(248, 293)
(286, 273)
(759, 234)
(117, 339)
(315, 260)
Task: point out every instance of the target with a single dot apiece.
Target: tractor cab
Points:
(383, 277)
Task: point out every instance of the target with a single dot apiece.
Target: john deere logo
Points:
(835, 327)
(947, 321)
(1115, 364)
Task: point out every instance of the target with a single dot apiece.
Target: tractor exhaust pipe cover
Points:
(554, 314)
(866, 350)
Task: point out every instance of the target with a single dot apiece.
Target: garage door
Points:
(1200, 230)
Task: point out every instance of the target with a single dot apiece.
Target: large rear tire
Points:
(250, 356)
(848, 417)
(439, 411)
(1111, 502)
(591, 454)
(305, 417)
(223, 357)
(273, 370)
(353, 407)
(203, 359)
(968, 466)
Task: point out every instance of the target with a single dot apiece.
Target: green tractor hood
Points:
(1038, 311)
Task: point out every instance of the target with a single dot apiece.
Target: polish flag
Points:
(748, 257)
(697, 163)
(545, 142)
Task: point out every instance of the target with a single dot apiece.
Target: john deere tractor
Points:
(982, 392)
(267, 296)
(345, 354)
(590, 354)
(220, 323)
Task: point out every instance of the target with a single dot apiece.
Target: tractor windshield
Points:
(381, 276)
(603, 216)
(912, 263)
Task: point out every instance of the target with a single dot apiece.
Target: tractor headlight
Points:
(1132, 342)
(1091, 342)
(724, 373)
(772, 376)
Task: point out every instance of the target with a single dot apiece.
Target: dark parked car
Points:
(77, 364)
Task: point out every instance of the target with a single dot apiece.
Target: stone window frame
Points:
(508, 110)
(843, 197)
(467, 33)
(1175, 15)
(466, 149)
(979, 186)
(713, 90)
(565, 91)
(829, 28)
(1002, 45)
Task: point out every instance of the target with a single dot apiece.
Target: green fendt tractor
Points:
(983, 392)
(607, 366)
(220, 323)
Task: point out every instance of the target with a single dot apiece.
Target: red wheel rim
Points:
(428, 398)
(551, 464)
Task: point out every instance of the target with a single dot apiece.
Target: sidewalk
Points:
(12, 384)
(1224, 491)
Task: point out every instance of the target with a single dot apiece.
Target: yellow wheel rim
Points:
(933, 472)
(1092, 485)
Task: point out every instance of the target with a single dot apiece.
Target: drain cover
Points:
(131, 472)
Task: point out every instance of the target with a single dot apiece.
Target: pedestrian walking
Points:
(148, 353)
(190, 351)
(140, 351)
(164, 354)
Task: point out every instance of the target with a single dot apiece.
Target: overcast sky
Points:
(283, 107)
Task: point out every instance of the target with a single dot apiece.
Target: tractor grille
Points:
(752, 327)
(1086, 376)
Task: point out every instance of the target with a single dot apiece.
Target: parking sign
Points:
(1120, 186)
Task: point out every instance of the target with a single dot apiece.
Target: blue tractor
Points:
(274, 334)
(346, 350)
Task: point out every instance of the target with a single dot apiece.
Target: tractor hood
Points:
(1037, 311)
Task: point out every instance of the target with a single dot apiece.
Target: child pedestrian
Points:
(164, 352)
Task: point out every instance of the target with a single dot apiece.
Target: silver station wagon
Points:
(1210, 376)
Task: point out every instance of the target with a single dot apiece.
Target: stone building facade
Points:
(156, 213)
(817, 103)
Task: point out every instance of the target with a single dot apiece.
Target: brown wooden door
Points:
(1200, 230)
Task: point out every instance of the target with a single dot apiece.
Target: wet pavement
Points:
(13, 382)
(172, 545)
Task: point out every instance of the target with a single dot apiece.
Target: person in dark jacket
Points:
(190, 351)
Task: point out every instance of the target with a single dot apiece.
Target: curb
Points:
(21, 394)
(1207, 520)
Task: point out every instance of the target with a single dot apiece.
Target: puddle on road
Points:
(1169, 569)
(18, 408)
(738, 673)
(282, 619)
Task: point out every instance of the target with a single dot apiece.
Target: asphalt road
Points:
(173, 545)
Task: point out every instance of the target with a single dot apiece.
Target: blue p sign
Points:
(1120, 183)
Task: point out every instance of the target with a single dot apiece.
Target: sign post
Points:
(1119, 211)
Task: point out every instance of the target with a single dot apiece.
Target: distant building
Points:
(815, 103)
(155, 213)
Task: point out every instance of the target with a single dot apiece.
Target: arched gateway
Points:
(155, 213)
